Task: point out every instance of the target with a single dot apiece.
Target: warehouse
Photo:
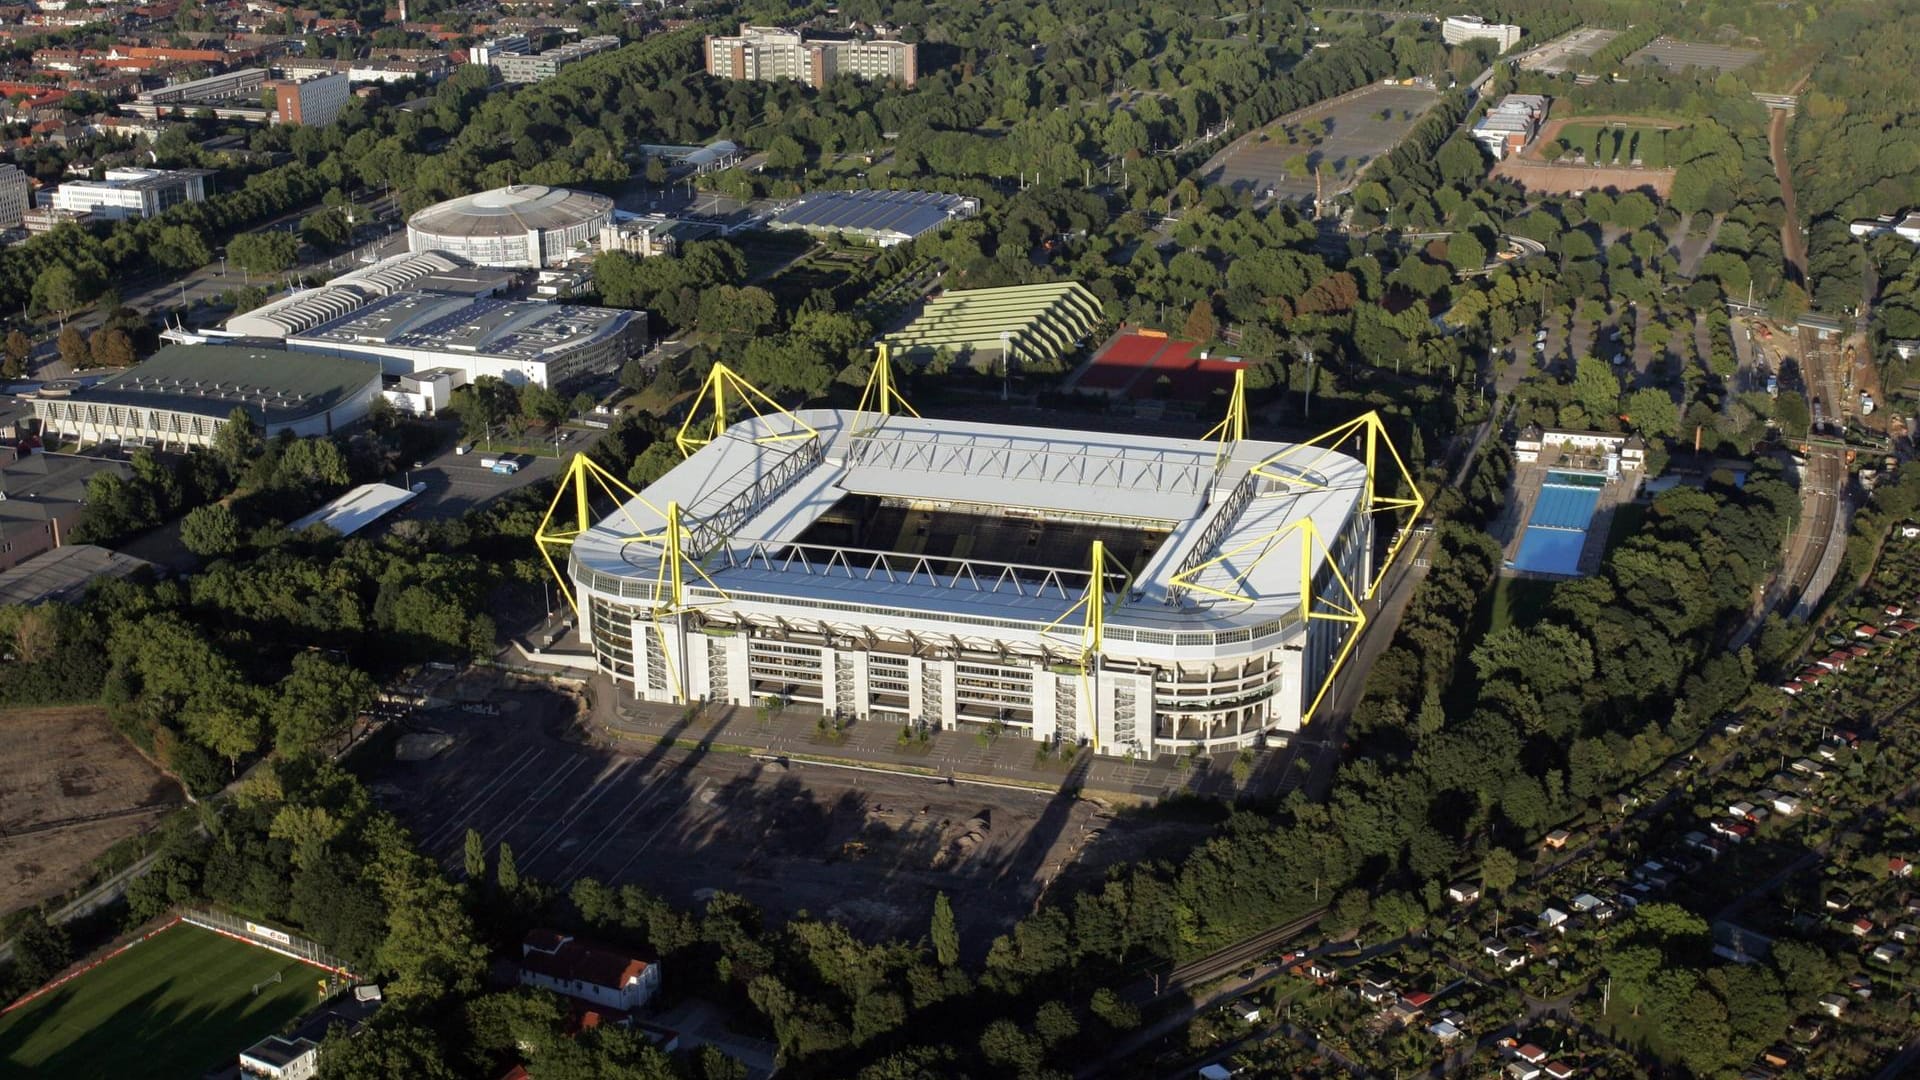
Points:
(885, 218)
(1037, 324)
(521, 341)
(1142, 595)
(183, 396)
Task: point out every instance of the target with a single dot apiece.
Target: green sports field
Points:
(172, 1006)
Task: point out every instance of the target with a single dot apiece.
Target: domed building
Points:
(524, 225)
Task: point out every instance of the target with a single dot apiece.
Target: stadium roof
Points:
(510, 211)
(1046, 320)
(1179, 484)
(357, 509)
(898, 214)
(514, 329)
(273, 385)
(63, 573)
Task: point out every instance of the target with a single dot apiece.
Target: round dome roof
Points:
(512, 210)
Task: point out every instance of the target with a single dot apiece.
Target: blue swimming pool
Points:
(1557, 529)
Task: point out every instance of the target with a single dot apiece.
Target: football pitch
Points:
(175, 1005)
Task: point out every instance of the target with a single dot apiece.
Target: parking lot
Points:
(867, 848)
(1680, 55)
(1366, 123)
(1567, 53)
(456, 483)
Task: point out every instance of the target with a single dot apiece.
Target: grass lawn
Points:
(172, 1006)
(1518, 602)
(1617, 144)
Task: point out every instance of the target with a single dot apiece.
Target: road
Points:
(207, 283)
(1793, 240)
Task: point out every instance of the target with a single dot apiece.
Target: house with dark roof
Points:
(572, 968)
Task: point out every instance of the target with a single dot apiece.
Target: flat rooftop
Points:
(909, 213)
(509, 329)
(274, 386)
(63, 574)
(357, 509)
(1180, 490)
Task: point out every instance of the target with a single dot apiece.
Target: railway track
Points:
(1223, 962)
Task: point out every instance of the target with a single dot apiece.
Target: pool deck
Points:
(1528, 477)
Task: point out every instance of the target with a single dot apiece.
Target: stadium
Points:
(1140, 594)
(526, 225)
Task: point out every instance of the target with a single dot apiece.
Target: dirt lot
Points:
(1359, 135)
(1530, 171)
(869, 849)
(72, 789)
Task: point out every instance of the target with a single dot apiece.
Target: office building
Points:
(16, 196)
(535, 67)
(130, 193)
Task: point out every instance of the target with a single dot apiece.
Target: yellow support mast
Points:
(882, 395)
(1092, 607)
(1233, 427)
(723, 385)
(1297, 467)
(559, 529)
(1243, 559)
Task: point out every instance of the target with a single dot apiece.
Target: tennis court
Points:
(174, 1005)
(1557, 528)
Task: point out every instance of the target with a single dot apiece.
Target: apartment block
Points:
(769, 52)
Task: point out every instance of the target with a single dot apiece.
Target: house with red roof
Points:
(595, 974)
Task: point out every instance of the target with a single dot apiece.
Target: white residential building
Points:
(1460, 29)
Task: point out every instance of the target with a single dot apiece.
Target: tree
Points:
(267, 252)
(326, 228)
(505, 874)
(237, 443)
(18, 351)
(652, 463)
(785, 153)
(179, 247)
(111, 347)
(1112, 1010)
(211, 531)
(946, 936)
(1653, 413)
(73, 348)
(1499, 869)
(476, 856)
(1200, 325)
(1596, 390)
(1465, 252)
(318, 702)
(57, 289)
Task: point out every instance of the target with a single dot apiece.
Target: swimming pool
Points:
(1557, 529)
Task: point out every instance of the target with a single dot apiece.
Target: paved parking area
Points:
(456, 483)
(1565, 53)
(1680, 55)
(1366, 123)
(869, 849)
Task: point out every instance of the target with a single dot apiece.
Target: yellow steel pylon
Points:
(1342, 607)
(582, 477)
(881, 394)
(1297, 467)
(1233, 427)
(1092, 606)
(723, 383)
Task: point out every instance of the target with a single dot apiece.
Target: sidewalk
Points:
(1010, 760)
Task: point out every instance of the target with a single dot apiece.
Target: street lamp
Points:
(1006, 364)
(1306, 393)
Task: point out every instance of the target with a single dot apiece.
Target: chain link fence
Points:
(267, 937)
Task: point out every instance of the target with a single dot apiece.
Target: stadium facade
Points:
(1140, 594)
